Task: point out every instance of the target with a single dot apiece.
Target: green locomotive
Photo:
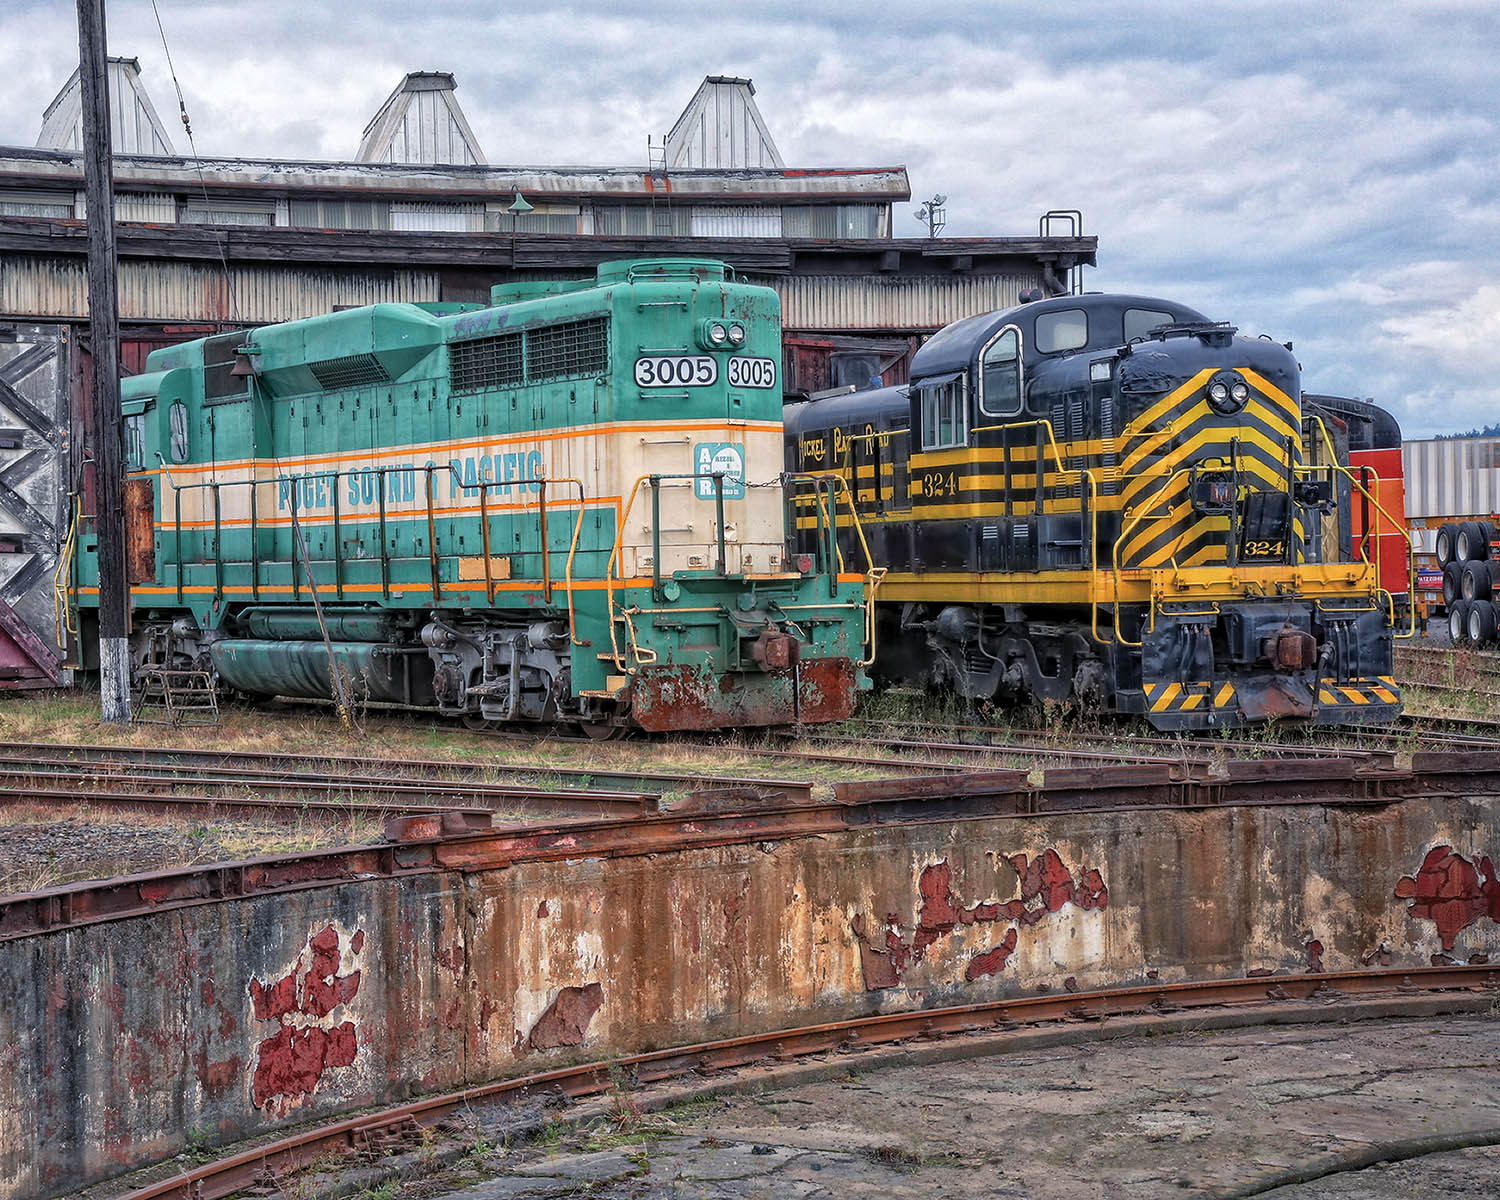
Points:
(565, 506)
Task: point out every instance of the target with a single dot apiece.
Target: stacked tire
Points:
(1471, 581)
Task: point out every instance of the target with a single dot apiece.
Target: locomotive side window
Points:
(944, 422)
(1000, 375)
(1140, 321)
(135, 442)
(1064, 330)
(177, 423)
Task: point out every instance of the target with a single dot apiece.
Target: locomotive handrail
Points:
(483, 487)
(873, 574)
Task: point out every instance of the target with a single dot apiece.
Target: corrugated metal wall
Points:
(1452, 477)
(853, 302)
(41, 288)
(45, 287)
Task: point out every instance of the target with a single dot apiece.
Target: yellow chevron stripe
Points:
(1355, 695)
(1261, 384)
(1169, 462)
(1326, 697)
(1224, 696)
(1383, 694)
(1169, 401)
(1193, 700)
(1168, 693)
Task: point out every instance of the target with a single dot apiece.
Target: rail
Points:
(1463, 988)
(716, 821)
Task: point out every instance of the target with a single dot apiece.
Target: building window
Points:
(544, 218)
(736, 220)
(432, 216)
(1067, 329)
(228, 212)
(832, 220)
(944, 421)
(341, 214)
(622, 220)
(17, 203)
(1000, 375)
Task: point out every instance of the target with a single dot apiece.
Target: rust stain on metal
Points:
(291, 1062)
(684, 697)
(1451, 892)
(566, 1020)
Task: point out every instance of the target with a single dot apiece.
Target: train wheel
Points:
(477, 723)
(1481, 623)
(1458, 622)
(1471, 545)
(601, 731)
(1444, 545)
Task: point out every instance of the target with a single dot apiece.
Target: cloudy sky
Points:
(1322, 172)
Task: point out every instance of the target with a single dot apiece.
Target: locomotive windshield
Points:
(1000, 375)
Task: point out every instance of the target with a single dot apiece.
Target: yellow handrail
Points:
(62, 611)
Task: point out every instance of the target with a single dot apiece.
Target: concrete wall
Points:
(123, 1042)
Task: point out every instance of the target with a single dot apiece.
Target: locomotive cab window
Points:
(1000, 375)
(135, 441)
(177, 428)
(1141, 321)
(943, 412)
(1067, 329)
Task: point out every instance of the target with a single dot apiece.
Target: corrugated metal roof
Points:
(421, 122)
(134, 126)
(721, 127)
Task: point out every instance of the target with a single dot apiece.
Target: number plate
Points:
(676, 370)
(747, 372)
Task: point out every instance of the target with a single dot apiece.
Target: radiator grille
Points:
(492, 362)
(354, 370)
(532, 356)
(558, 351)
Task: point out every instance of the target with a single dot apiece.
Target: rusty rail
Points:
(415, 846)
(250, 1167)
(270, 769)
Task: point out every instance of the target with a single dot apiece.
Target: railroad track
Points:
(421, 844)
(496, 785)
(328, 1143)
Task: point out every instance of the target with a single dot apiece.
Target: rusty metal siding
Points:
(1452, 477)
(194, 291)
(870, 302)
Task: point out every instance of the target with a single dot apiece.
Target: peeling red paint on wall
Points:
(1451, 892)
(290, 1063)
(993, 960)
(1314, 957)
(1045, 886)
(566, 1020)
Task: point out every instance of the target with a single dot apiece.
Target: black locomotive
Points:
(1111, 500)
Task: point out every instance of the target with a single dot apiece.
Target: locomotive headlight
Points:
(1227, 392)
(713, 335)
(736, 334)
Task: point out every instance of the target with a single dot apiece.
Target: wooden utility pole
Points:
(104, 336)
